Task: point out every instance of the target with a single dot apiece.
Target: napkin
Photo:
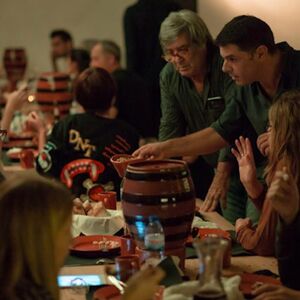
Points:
(186, 290)
(200, 223)
(89, 225)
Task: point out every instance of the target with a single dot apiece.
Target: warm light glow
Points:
(280, 15)
(31, 98)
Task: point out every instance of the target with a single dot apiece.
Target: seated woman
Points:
(80, 146)
(36, 218)
(35, 231)
(284, 197)
(284, 141)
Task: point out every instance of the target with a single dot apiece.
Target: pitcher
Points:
(210, 253)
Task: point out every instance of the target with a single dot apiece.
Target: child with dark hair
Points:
(81, 145)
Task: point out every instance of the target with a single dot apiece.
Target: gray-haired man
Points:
(194, 91)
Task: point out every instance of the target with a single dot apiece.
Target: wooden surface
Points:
(13, 169)
(215, 217)
(239, 264)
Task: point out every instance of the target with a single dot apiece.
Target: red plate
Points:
(86, 246)
(14, 155)
(108, 292)
(249, 280)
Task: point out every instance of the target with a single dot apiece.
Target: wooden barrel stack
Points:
(15, 63)
(54, 93)
(163, 188)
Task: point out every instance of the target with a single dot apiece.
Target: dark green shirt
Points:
(249, 104)
(184, 109)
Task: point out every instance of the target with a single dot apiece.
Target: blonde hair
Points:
(32, 210)
(284, 116)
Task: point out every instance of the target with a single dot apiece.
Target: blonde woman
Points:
(284, 141)
(35, 216)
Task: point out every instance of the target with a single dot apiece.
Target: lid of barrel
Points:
(157, 166)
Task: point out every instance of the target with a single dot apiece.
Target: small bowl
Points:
(121, 161)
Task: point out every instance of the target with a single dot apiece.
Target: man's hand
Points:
(242, 223)
(275, 292)
(284, 195)
(218, 188)
(152, 151)
(263, 143)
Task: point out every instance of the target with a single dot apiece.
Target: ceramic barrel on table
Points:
(54, 93)
(163, 188)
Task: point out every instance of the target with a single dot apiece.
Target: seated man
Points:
(81, 145)
(61, 46)
(132, 91)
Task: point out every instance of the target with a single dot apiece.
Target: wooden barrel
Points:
(54, 93)
(15, 62)
(163, 188)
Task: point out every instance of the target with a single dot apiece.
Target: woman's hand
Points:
(244, 156)
(284, 195)
(16, 99)
(263, 144)
(242, 223)
(34, 122)
(275, 292)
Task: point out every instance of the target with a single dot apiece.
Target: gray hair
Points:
(184, 21)
(112, 48)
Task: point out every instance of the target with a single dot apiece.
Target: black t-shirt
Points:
(80, 147)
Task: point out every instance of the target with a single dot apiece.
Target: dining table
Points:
(241, 262)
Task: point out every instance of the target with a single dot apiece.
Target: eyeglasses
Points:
(182, 51)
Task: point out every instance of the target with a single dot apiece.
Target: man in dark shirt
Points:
(262, 69)
(194, 91)
(132, 96)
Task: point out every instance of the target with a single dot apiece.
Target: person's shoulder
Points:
(123, 126)
(289, 51)
(74, 118)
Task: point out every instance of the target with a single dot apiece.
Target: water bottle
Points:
(154, 241)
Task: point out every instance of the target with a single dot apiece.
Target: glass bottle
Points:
(154, 240)
(210, 252)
